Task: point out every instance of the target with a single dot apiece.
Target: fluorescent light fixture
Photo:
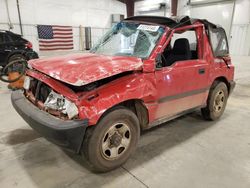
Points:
(200, 2)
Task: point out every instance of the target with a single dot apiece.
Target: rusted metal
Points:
(130, 6)
(174, 4)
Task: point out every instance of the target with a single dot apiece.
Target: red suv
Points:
(144, 71)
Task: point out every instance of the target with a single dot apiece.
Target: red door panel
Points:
(181, 86)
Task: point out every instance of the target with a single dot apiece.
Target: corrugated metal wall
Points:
(239, 41)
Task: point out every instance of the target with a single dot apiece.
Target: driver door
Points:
(182, 86)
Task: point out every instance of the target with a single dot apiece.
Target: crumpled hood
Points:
(81, 69)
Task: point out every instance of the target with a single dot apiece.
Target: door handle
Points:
(202, 71)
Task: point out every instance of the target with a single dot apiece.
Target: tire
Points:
(110, 143)
(16, 57)
(16, 63)
(216, 102)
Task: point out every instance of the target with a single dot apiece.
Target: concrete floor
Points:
(186, 152)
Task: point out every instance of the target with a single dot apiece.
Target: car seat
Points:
(181, 51)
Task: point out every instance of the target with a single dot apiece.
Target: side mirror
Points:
(158, 61)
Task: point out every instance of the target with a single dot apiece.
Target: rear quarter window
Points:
(218, 40)
(6, 38)
(16, 38)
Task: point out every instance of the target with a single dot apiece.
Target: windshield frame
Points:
(164, 27)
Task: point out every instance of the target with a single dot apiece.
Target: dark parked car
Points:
(13, 46)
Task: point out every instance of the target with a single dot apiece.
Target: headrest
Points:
(181, 46)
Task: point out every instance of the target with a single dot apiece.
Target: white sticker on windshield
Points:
(152, 28)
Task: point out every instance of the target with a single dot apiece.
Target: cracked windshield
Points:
(129, 39)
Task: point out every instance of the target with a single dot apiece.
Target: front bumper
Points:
(66, 133)
(232, 86)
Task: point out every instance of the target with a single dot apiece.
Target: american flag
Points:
(54, 37)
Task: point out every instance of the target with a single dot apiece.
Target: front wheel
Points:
(216, 102)
(110, 143)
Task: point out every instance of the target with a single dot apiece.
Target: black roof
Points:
(172, 22)
(3, 31)
(9, 32)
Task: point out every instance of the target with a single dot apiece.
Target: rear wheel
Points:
(216, 102)
(110, 143)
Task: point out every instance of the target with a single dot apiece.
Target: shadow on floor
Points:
(161, 138)
(153, 143)
(19, 136)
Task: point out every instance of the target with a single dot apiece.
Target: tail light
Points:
(29, 45)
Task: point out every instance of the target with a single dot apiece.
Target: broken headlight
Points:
(26, 84)
(58, 102)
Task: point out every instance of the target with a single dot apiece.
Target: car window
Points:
(1, 38)
(129, 39)
(6, 38)
(190, 35)
(218, 42)
(16, 38)
(183, 47)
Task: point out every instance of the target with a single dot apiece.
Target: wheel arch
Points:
(135, 105)
(222, 79)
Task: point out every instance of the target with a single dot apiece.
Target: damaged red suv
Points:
(144, 71)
